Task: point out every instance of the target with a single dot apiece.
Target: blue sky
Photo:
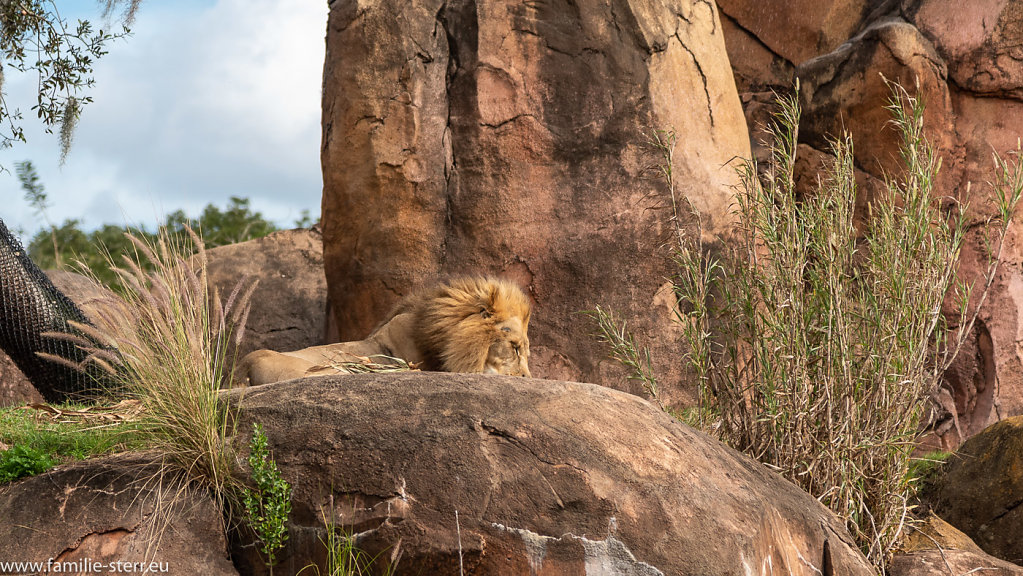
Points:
(206, 100)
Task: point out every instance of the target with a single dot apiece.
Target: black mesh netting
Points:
(30, 305)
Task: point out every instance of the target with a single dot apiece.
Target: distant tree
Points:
(35, 38)
(218, 227)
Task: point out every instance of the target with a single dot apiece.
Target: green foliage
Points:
(923, 468)
(35, 193)
(623, 349)
(39, 441)
(345, 558)
(816, 351)
(21, 461)
(101, 249)
(35, 39)
(269, 505)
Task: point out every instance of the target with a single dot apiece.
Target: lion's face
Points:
(510, 353)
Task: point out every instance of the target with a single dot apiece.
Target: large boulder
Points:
(507, 475)
(980, 489)
(478, 136)
(935, 548)
(87, 516)
(289, 305)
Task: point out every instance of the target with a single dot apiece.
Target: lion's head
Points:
(477, 324)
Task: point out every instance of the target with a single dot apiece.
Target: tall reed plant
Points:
(816, 348)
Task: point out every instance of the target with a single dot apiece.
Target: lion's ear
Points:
(486, 313)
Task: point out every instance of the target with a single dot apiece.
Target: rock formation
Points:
(936, 548)
(477, 136)
(545, 477)
(111, 510)
(980, 489)
(288, 307)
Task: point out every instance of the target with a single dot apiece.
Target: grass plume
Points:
(166, 342)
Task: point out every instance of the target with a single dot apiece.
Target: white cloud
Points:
(205, 101)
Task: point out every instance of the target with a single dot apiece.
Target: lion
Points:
(471, 324)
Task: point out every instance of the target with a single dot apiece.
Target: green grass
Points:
(923, 468)
(39, 442)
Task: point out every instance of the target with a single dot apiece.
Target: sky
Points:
(207, 99)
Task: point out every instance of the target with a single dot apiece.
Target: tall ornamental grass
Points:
(166, 341)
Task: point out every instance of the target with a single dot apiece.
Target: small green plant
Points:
(21, 461)
(623, 349)
(923, 468)
(268, 506)
(345, 558)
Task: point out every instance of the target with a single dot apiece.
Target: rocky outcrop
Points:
(980, 490)
(15, 389)
(517, 476)
(86, 516)
(980, 43)
(936, 548)
(969, 65)
(478, 136)
(288, 307)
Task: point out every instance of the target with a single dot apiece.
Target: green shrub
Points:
(269, 505)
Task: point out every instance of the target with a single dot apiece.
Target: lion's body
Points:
(465, 325)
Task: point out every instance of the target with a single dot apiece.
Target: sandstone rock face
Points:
(800, 30)
(15, 389)
(288, 307)
(846, 90)
(981, 488)
(935, 548)
(981, 43)
(104, 511)
(969, 65)
(944, 562)
(521, 476)
(477, 136)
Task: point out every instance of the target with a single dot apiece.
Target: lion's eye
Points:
(505, 329)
